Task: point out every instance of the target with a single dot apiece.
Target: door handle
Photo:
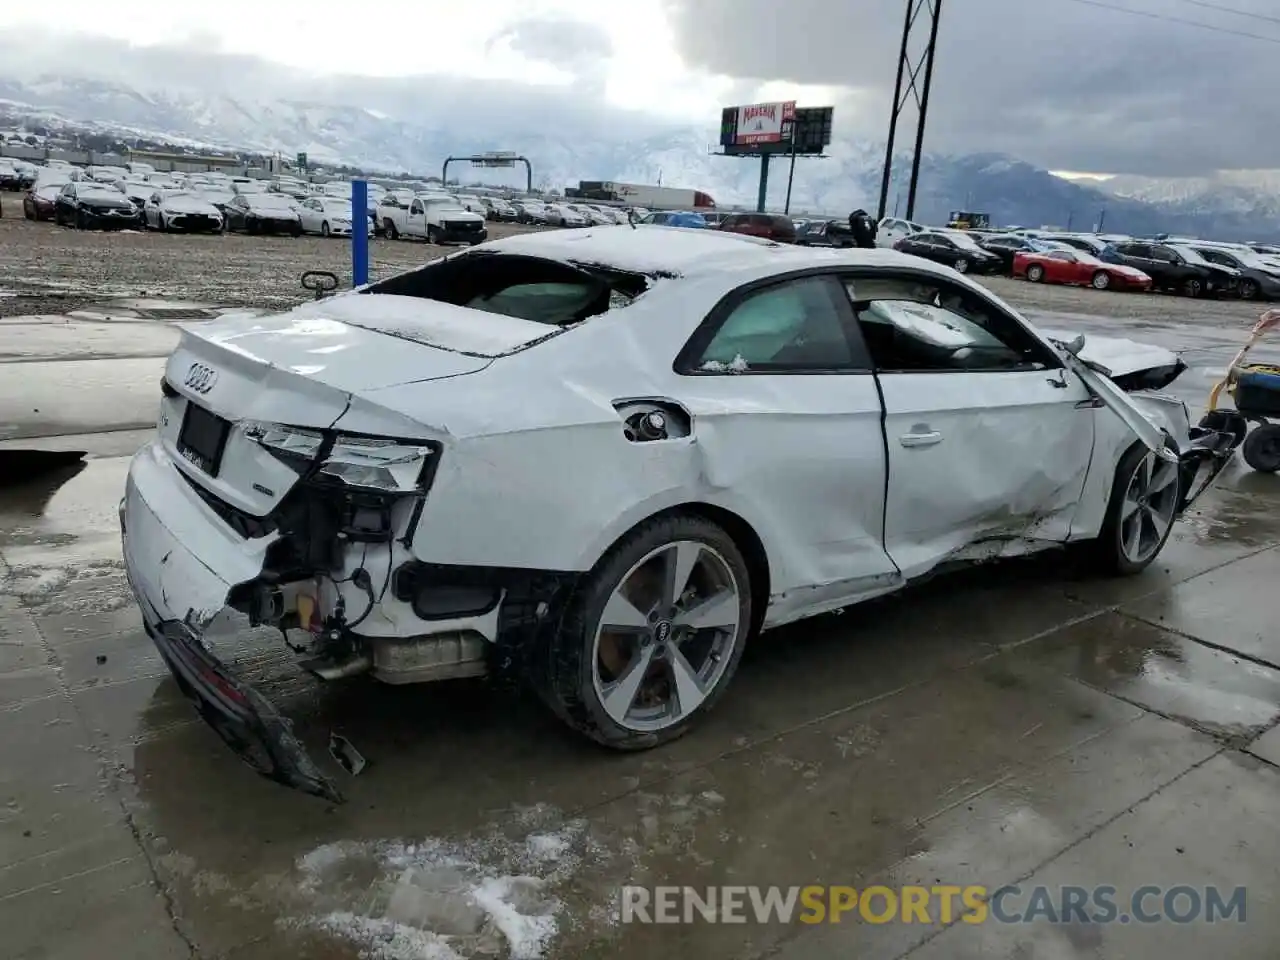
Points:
(920, 439)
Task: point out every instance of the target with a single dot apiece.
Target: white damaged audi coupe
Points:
(606, 460)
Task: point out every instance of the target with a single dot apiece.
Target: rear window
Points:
(542, 291)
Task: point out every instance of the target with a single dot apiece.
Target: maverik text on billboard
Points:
(765, 122)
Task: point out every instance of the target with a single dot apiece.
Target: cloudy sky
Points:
(1153, 87)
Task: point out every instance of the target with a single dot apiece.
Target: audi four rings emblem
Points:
(201, 378)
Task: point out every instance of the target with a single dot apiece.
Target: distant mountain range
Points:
(1239, 206)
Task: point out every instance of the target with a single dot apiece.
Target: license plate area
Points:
(203, 438)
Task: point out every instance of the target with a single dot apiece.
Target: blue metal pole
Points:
(359, 233)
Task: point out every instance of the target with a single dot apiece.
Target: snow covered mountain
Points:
(391, 132)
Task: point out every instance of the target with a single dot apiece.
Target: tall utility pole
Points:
(909, 68)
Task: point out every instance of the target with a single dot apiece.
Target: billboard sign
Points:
(765, 122)
(496, 158)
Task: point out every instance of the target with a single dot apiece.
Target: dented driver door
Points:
(989, 437)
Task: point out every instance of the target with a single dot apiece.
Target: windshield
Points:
(1191, 255)
(339, 207)
(445, 206)
(1086, 257)
(271, 201)
(963, 240)
(1247, 258)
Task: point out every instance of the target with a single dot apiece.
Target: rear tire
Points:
(1114, 551)
(1035, 273)
(571, 667)
(1101, 280)
(1261, 448)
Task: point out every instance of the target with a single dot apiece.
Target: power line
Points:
(1233, 11)
(1187, 23)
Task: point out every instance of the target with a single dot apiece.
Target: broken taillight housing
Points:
(368, 463)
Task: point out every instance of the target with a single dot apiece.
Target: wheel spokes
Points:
(687, 689)
(621, 694)
(1132, 532)
(717, 611)
(1162, 477)
(621, 615)
(680, 560)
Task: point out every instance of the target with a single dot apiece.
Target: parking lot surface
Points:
(1023, 723)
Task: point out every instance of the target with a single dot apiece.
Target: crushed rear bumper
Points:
(180, 593)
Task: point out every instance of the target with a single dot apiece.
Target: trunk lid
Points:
(300, 368)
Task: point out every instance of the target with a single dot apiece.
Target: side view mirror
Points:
(1075, 346)
(321, 281)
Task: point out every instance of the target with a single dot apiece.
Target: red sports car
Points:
(39, 202)
(1078, 268)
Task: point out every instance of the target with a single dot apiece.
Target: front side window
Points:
(793, 326)
(920, 326)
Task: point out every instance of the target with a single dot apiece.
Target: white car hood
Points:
(189, 205)
(1118, 355)
(459, 216)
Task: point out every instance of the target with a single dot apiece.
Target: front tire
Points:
(1144, 502)
(324, 229)
(1193, 287)
(1261, 448)
(433, 235)
(1101, 280)
(1248, 290)
(653, 637)
(390, 230)
(962, 265)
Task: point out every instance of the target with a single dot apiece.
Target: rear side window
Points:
(794, 326)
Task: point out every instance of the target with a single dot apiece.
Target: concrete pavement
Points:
(1021, 724)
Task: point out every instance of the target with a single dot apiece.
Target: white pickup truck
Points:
(436, 219)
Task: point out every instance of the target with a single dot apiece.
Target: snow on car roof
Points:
(677, 251)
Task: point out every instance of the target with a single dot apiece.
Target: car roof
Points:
(676, 251)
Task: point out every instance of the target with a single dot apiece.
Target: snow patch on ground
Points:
(437, 899)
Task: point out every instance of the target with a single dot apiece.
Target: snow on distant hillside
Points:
(374, 138)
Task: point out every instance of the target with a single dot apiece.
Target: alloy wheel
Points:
(666, 636)
(1150, 502)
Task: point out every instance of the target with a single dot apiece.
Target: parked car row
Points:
(139, 197)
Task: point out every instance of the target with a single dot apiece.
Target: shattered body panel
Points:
(531, 474)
